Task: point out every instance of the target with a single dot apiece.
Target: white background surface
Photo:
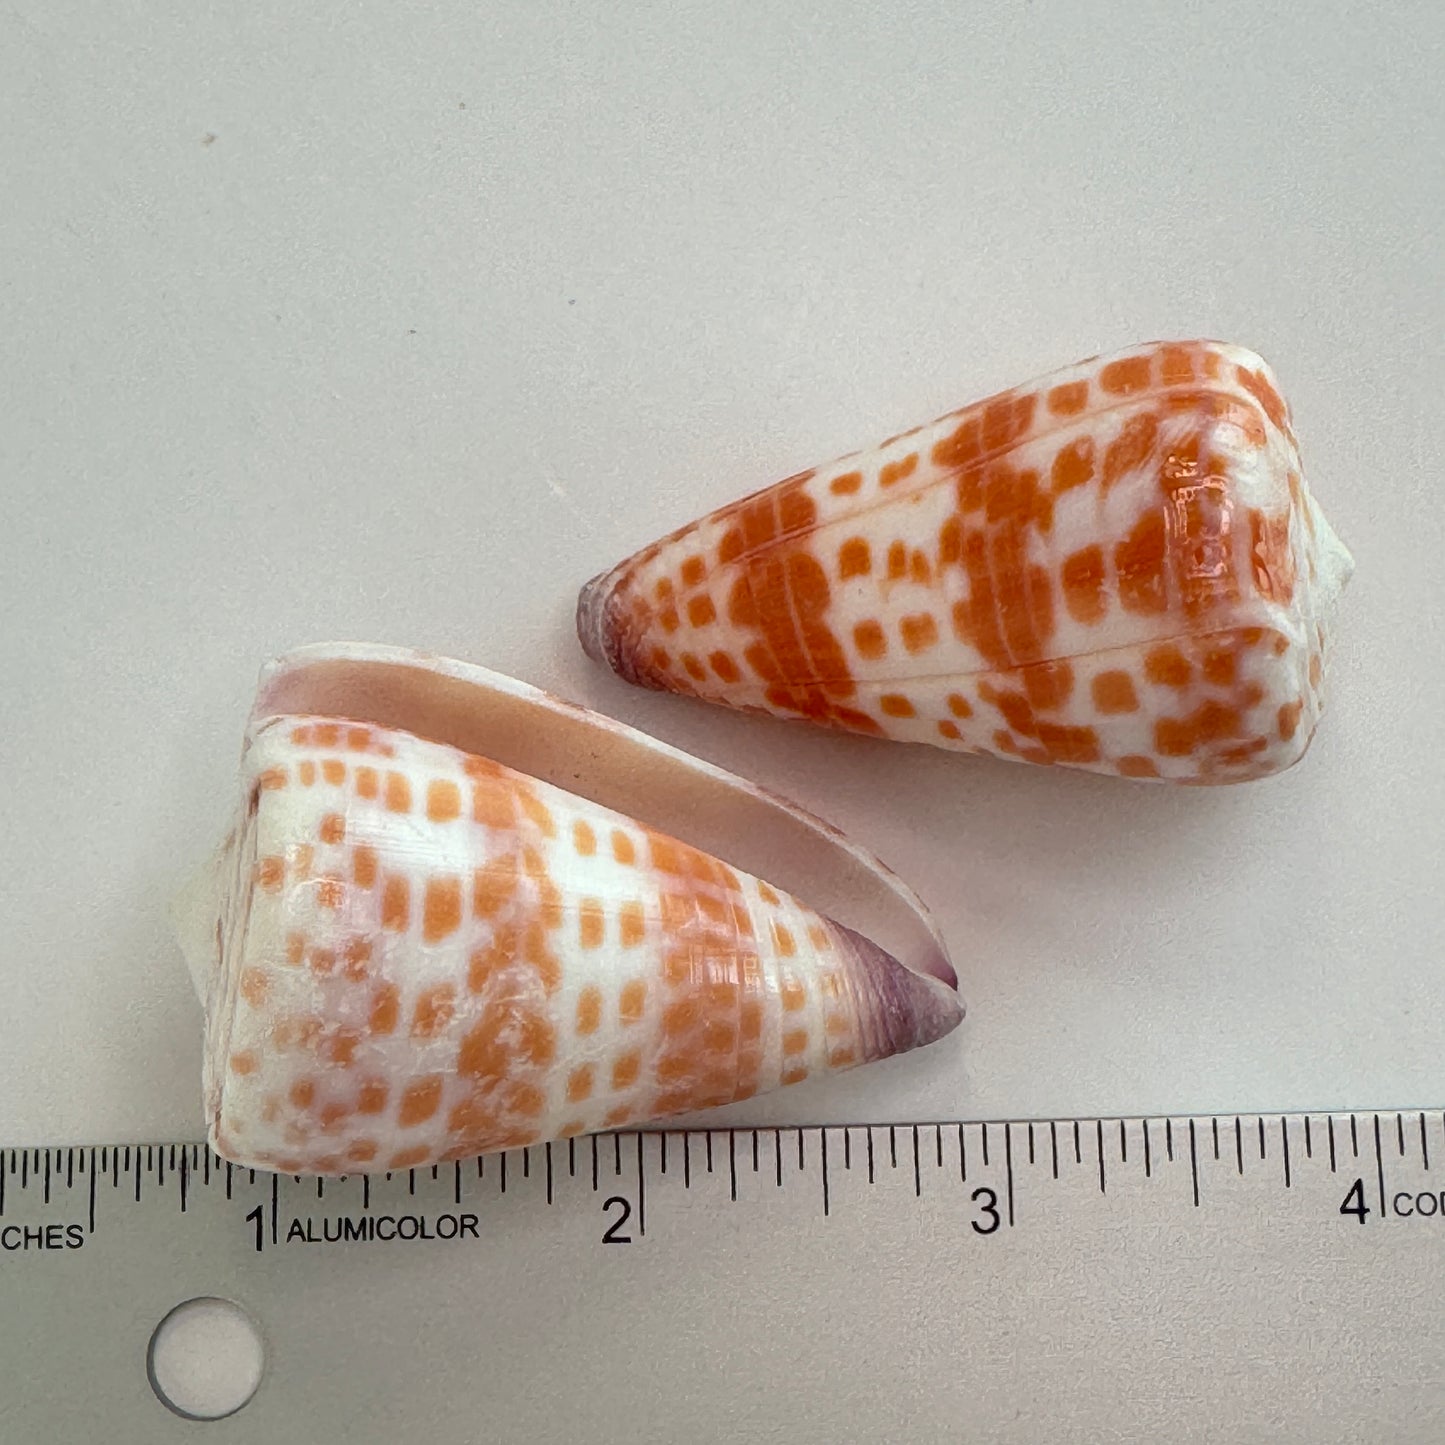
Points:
(397, 323)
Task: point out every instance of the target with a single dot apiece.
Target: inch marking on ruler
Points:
(190, 1171)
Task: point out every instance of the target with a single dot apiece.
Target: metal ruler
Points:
(1251, 1278)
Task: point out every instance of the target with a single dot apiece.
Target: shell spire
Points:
(1118, 568)
(412, 950)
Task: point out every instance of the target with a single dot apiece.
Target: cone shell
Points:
(411, 951)
(1118, 568)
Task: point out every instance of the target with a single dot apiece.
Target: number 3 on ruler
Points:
(987, 1202)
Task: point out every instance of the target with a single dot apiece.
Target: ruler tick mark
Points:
(823, 1148)
(962, 1157)
(1330, 1122)
(1215, 1125)
(1380, 1166)
(1193, 1164)
(594, 1159)
(917, 1175)
(137, 1176)
(938, 1140)
(892, 1146)
(90, 1219)
(1424, 1145)
(1400, 1130)
(572, 1156)
(662, 1153)
(184, 1171)
(641, 1188)
(1008, 1155)
(228, 1179)
(1261, 1137)
(24, 1169)
(1354, 1137)
(1054, 1146)
(1309, 1144)
(503, 1169)
(1239, 1144)
(686, 1161)
(800, 1151)
(847, 1148)
(732, 1167)
(411, 1183)
(1100, 1128)
(617, 1155)
(1031, 1143)
(275, 1209)
(46, 1196)
(755, 1151)
(1123, 1143)
(984, 1131)
(2, 1185)
(1169, 1139)
(778, 1154)
(870, 1151)
(527, 1162)
(366, 1191)
(1148, 1153)
(1078, 1144)
(70, 1168)
(1284, 1147)
(707, 1140)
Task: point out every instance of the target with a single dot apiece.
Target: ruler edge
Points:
(657, 1129)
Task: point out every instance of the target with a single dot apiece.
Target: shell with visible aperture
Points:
(457, 915)
(1118, 568)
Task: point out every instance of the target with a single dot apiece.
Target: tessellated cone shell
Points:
(1118, 567)
(456, 915)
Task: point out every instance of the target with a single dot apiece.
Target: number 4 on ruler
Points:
(1354, 1201)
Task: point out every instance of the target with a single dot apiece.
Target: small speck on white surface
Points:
(350, 320)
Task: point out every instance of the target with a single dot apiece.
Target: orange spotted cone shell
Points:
(456, 915)
(1118, 567)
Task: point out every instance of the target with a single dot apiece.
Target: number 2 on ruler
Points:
(612, 1236)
